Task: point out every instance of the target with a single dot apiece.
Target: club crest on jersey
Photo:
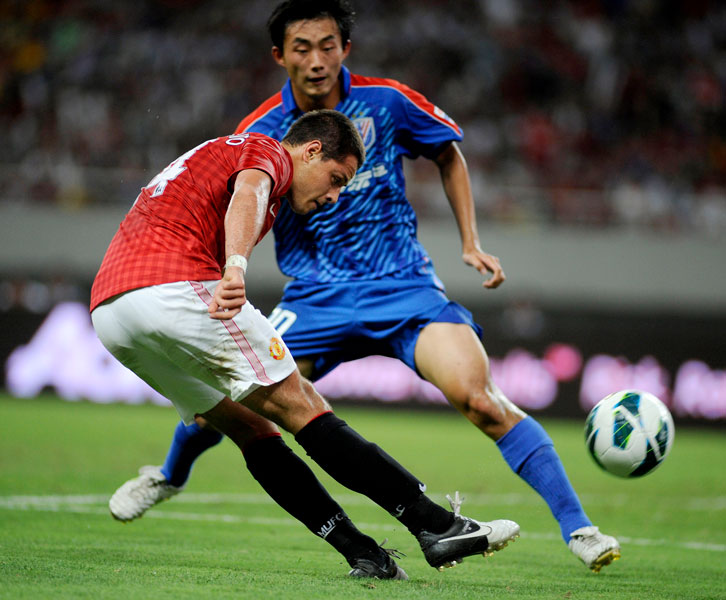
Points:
(367, 129)
(277, 350)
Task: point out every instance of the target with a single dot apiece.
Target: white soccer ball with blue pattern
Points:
(629, 433)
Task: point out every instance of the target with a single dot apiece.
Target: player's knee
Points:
(491, 411)
(313, 398)
(294, 403)
(482, 407)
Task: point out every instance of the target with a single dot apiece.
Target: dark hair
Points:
(289, 11)
(335, 131)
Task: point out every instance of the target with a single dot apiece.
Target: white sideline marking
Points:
(89, 504)
(706, 504)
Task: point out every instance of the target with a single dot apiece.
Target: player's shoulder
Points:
(392, 92)
(268, 109)
(249, 147)
(382, 85)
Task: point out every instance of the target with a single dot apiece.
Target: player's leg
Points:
(188, 443)
(452, 357)
(292, 484)
(138, 349)
(445, 537)
(155, 484)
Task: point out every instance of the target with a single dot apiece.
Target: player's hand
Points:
(229, 295)
(487, 265)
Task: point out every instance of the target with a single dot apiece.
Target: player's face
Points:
(312, 54)
(317, 181)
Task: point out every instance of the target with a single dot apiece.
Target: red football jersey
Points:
(175, 229)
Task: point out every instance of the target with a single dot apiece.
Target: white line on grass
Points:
(705, 504)
(88, 504)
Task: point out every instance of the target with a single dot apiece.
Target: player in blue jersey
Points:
(363, 284)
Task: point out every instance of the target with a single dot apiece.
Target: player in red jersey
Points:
(169, 302)
(173, 232)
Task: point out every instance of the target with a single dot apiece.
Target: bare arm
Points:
(457, 185)
(242, 226)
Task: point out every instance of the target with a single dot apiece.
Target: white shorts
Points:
(165, 335)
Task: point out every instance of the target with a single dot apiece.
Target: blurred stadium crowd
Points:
(596, 113)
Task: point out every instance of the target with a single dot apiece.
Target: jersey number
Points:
(178, 167)
(282, 319)
(173, 171)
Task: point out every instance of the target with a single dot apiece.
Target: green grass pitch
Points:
(222, 538)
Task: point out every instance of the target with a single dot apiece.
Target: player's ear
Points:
(313, 148)
(346, 49)
(278, 56)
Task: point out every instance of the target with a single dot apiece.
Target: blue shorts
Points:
(337, 322)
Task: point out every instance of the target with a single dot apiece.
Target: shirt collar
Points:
(288, 100)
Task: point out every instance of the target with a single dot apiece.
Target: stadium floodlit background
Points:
(595, 133)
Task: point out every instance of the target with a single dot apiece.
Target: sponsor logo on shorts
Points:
(277, 350)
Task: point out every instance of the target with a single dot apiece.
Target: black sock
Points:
(291, 483)
(424, 514)
(347, 539)
(363, 467)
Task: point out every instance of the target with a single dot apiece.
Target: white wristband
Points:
(237, 260)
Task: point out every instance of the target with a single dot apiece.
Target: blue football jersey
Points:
(370, 232)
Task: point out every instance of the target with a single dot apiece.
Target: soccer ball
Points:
(629, 433)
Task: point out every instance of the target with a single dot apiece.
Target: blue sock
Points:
(530, 453)
(189, 442)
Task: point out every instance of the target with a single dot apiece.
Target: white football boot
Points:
(595, 549)
(138, 495)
